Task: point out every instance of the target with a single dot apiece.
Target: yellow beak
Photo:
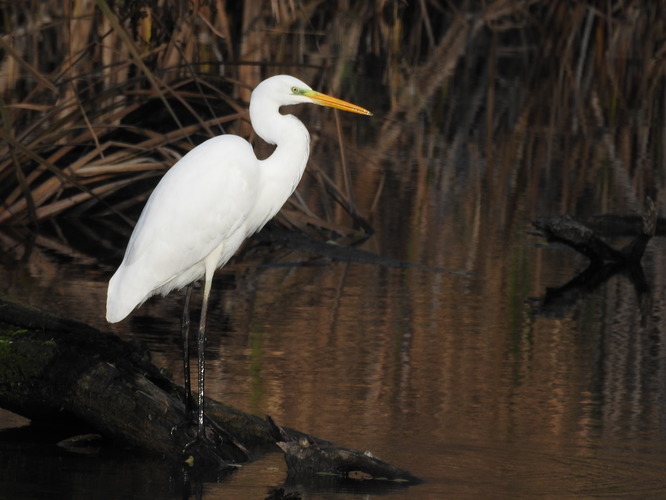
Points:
(334, 102)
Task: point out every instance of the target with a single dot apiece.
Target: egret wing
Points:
(200, 203)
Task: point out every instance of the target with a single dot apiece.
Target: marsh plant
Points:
(98, 98)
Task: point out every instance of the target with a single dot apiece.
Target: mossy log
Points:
(56, 369)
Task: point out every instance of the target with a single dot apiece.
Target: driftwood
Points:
(585, 236)
(314, 460)
(54, 369)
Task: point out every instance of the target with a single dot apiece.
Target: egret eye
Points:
(296, 90)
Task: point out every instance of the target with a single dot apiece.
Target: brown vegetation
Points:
(97, 98)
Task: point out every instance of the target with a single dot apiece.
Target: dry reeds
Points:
(72, 119)
(96, 98)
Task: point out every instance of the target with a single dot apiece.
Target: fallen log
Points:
(586, 236)
(58, 370)
(55, 369)
(312, 461)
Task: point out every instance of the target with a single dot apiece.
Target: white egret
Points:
(208, 203)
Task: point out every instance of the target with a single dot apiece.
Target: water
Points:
(453, 370)
(448, 374)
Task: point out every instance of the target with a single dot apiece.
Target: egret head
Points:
(284, 90)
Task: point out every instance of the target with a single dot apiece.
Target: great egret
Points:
(211, 200)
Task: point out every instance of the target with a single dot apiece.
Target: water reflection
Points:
(443, 369)
(447, 373)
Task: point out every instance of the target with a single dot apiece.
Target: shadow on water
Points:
(448, 373)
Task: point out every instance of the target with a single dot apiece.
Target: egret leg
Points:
(185, 335)
(201, 346)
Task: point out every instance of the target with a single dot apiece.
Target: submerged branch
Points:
(605, 261)
(580, 236)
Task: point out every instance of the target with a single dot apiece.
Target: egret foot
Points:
(209, 445)
(205, 453)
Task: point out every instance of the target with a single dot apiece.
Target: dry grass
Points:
(96, 102)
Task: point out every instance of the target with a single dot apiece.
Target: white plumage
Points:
(198, 206)
(211, 200)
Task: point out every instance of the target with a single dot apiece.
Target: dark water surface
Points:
(455, 371)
